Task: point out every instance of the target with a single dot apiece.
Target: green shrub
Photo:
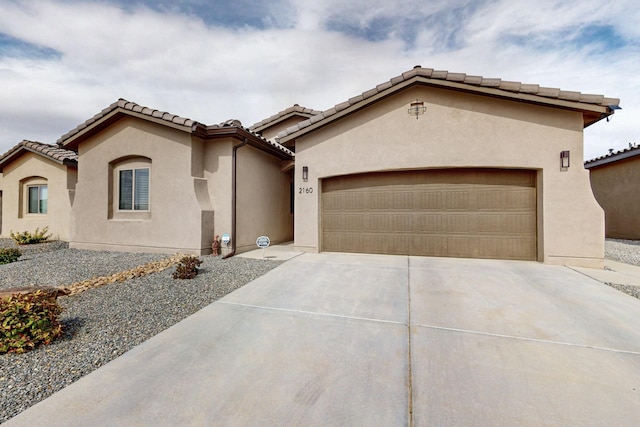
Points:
(9, 255)
(28, 320)
(27, 238)
(187, 268)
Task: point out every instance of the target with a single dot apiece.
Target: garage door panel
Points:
(380, 201)
(390, 222)
(429, 200)
(521, 199)
(429, 223)
(459, 213)
(457, 200)
(456, 223)
(520, 223)
(492, 200)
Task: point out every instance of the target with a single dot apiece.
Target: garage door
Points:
(471, 213)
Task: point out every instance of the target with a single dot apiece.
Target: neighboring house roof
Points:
(51, 152)
(593, 107)
(293, 111)
(113, 112)
(614, 156)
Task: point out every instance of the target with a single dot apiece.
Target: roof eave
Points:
(241, 134)
(72, 141)
(594, 112)
(20, 150)
(264, 126)
(611, 159)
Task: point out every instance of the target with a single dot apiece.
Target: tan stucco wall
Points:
(217, 160)
(60, 182)
(461, 130)
(615, 186)
(263, 199)
(176, 215)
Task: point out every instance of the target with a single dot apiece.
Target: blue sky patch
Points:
(605, 35)
(16, 48)
(446, 26)
(235, 14)
(595, 38)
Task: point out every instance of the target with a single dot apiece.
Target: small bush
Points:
(187, 268)
(27, 238)
(9, 255)
(28, 320)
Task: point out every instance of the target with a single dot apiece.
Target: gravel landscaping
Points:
(103, 323)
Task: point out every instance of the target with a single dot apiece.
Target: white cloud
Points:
(320, 54)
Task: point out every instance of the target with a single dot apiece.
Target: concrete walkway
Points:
(334, 339)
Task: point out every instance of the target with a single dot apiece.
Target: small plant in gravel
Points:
(28, 238)
(187, 268)
(9, 255)
(28, 320)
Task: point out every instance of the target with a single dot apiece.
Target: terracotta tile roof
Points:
(294, 110)
(459, 81)
(190, 125)
(51, 152)
(614, 156)
(234, 123)
(127, 106)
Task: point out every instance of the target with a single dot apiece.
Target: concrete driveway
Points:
(334, 339)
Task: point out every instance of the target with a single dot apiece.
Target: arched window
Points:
(34, 194)
(130, 187)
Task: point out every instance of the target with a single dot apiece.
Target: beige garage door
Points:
(474, 213)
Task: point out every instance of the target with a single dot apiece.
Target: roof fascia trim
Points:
(611, 159)
(111, 117)
(240, 134)
(20, 150)
(281, 119)
(446, 84)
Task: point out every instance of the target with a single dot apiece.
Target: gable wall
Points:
(176, 216)
(60, 182)
(615, 186)
(461, 130)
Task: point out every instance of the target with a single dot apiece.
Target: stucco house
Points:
(152, 181)
(430, 163)
(37, 188)
(434, 163)
(614, 180)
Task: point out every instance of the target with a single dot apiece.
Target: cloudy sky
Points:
(62, 61)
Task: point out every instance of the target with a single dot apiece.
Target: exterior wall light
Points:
(416, 108)
(305, 173)
(564, 159)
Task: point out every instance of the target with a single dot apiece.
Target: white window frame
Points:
(133, 188)
(40, 187)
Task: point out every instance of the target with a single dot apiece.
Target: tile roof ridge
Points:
(457, 78)
(295, 108)
(238, 124)
(134, 108)
(51, 151)
(613, 154)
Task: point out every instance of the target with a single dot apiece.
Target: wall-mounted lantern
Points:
(305, 173)
(416, 108)
(564, 159)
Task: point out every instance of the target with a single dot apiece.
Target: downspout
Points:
(233, 197)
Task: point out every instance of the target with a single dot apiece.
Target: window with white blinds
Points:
(133, 189)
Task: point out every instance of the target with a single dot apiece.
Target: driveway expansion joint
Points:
(536, 340)
(288, 310)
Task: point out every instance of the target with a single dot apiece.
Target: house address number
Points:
(305, 190)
